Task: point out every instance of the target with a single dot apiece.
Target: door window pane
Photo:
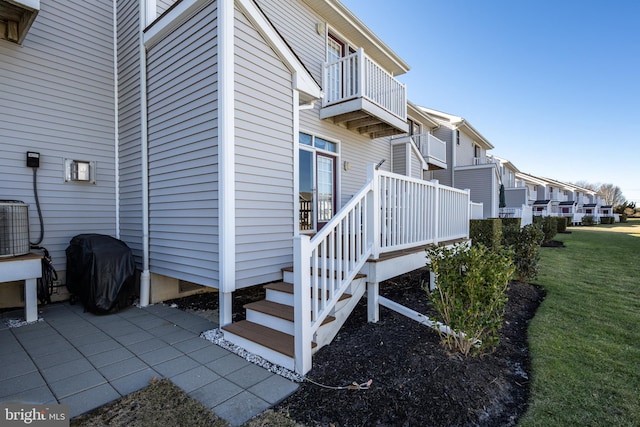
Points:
(305, 166)
(325, 188)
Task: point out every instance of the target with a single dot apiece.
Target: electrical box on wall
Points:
(33, 159)
(79, 171)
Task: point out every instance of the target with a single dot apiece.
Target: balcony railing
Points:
(431, 147)
(358, 76)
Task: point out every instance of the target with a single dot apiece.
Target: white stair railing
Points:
(391, 212)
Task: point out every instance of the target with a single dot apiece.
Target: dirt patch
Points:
(159, 404)
(553, 244)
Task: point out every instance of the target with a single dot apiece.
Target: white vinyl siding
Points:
(183, 162)
(264, 155)
(129, 127)
(465, 151)
(416, 165)
(57, 95)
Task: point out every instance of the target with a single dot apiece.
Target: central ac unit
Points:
(14, 228)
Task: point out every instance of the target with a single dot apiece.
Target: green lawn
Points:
(585, 337)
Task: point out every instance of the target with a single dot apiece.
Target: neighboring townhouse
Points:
(468, 165)
(230, 144)
(517, 195)
(536, 187)
(418, 151)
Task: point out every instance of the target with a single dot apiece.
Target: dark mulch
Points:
(553, 244)
(415, 381)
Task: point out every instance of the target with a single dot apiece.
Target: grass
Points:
(585, 337)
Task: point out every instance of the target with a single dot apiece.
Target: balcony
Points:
(363, 97)
(433, 150)
(16, 17)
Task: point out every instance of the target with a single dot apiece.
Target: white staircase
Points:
(269, 328)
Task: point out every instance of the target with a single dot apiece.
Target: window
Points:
(457, 137)
(414, 127)
(317, 142)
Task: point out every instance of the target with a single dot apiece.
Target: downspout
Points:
(145, 276)
(116, 127)
(226, 159)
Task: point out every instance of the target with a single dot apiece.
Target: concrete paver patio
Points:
(85, 360)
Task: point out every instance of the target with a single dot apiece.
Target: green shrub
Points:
(549, 226)
(526, 252)
(470, 295)
(506, 222)
(588, 220)
(510, 233)
(607, 220)
(487, 232)
(623, 217)
(562, 222)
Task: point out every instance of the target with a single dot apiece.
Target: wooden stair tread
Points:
(267, 337)
(278, 310)
(357, 276)
(288, 288)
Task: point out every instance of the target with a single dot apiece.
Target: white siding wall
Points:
(183, 164)
(129, 123)
(57, 95)
(264, 159)
(465, 151)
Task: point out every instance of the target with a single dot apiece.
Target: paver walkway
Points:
(85, 360)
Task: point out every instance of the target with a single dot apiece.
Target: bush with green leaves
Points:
(487, 232)
(526, 252)
(549, 226)
(562, 222)
(588, 220)
(470, 295)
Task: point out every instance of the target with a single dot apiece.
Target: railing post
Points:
(373, 211)
(362, 84)
(302, 303)
(468, 221)
(436, 212)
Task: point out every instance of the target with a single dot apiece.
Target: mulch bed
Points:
(415, 381)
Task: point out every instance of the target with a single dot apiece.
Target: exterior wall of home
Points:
(163, 5)
(465, 151)
(358, 150)
(297, 24)
(58, 98)
(264, 156)
(129, 127)
(515, 197)
(446, 134)
(483, 183)
(416, 165)
(399, 158)
(183, 163)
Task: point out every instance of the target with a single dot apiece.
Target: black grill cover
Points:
(100, 272)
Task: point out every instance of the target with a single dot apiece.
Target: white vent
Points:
(14, 228)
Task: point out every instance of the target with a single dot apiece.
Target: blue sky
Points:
(553, 84)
